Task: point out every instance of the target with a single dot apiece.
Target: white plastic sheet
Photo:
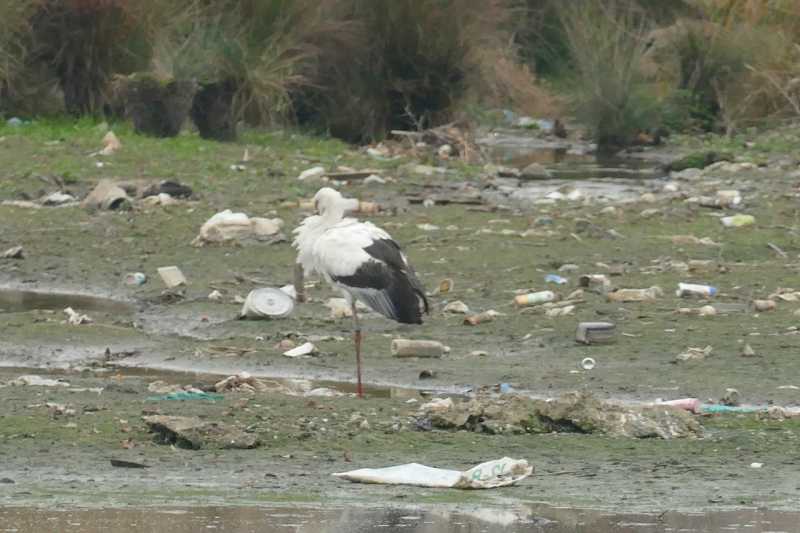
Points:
(488, 475)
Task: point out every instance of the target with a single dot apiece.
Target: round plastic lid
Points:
(268, 302)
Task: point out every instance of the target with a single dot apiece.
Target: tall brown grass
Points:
(85, 42)
(407, 65)
(14, 47)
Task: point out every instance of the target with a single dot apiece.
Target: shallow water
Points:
(15, 301)
(564, 159)
(390, 519)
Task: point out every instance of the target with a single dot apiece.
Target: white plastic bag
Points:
(488, 475)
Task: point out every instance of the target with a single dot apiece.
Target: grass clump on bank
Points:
(358, 69)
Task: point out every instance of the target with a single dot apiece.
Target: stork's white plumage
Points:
(361, 260)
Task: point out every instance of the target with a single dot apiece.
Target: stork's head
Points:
(330, 203)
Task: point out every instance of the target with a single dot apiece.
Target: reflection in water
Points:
(391, 520)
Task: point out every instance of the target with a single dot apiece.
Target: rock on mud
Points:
(193, 433)
(572, 412)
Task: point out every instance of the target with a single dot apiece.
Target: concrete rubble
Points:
(193, 433)
(574, 412)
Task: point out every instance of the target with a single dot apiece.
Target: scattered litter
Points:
(747, 351)
(290, 291)
(491, 474)
(437, 405)
(172, 276)
(598, 283)
(727, 409)
(480, 318)
(738, 221)
(699, 265)
(445, 286)
(428, 227)
(764, 305)
(312, 173)
(15, 252)
(119, 463)
(786, 295)
(427, 170)
(534, 298)
(756, 465)
(694, 354)
(374, 179)
(162, 199)
(689, 404)
(307, 348)
(59, 409)
(595, 332)
(162, 387)
(588, 363)
(563, 310)
(691, 239)
(635, 295)
(555, 278)
(57, 198)
(535, 171)
(241, 382)
(267, 303)
(341, 309)
(25, 204)
(706, 310)
(111, 144)
(186, 395)
(572, 412)
(107, 195)
(38, 381)
(194, 434)
(74, 318)
(731, 397)
(215, 296)
(135, 278)
(227, 226)
(456, 307)
(693, 289)
(323, 392)
(417, 348)
(777, 249)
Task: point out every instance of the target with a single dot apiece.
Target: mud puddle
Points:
(389, 519)
(203, 379)
(20, 301)
(565, 159)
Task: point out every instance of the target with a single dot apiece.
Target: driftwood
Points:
(456, 135)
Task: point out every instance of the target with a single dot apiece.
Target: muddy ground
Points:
(506, 239)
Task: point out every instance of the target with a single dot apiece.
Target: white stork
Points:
(362, 261)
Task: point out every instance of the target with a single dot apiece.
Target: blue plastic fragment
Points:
(186, 395)
(716, 409)
(555, 278)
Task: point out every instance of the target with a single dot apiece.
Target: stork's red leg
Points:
(357, 340)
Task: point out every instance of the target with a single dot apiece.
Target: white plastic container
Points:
(694, 289)
(535, 298)
(267, 303)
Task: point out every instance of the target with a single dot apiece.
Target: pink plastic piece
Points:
(690, 404)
